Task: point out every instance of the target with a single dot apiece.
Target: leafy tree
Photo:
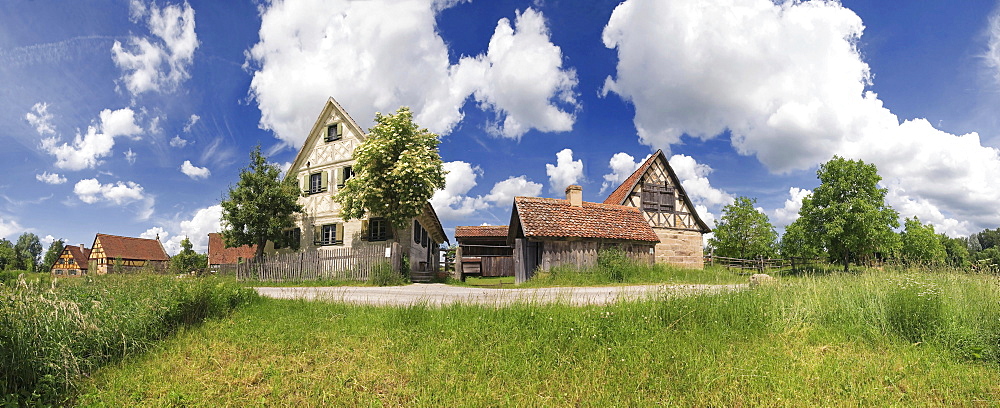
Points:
(8, 257)
(921, 244)
(795, 243)
(397, 169)
(52, 255)
(260, 206)
(958, 252)
(187, 260)
(28, 248)
(743, 232)
(847, 212)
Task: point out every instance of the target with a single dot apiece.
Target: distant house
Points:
(72, 261)
(219, 255)
(321, 168)
(112, 251)
(655, 190)
(548, 232)
(483, 251)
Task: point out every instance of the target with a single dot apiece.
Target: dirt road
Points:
(441, 294)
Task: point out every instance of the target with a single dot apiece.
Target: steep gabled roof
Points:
(555, 218)
(436, 230)
(620, 195)
(218, 254)
(303, 154)
(79, 254)
(131, 248)
(492, 231)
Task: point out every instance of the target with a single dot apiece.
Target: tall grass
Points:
(614, 267)
(52, 334)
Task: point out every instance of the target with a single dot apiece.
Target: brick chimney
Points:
(574, 194)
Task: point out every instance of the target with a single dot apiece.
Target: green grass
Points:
(633, 275)
(831, 340)
(494, 282)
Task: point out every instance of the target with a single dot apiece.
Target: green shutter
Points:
(339, 174)
(340, 233)
(340, 128)
(304, 184)
(364, 230)
(318, 235)
(324, 180)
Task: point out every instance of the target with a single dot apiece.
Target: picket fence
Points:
(353, 263)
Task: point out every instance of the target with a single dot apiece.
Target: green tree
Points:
(795, 243)
(397, 169)
(743, 232)
(52, 255)
(8, 257)
(958, 252)
(260, 206)
(847, 212)
(187, 260)
(920, 243)
(28, 248)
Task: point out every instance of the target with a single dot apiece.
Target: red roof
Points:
(218, 254)
(555, 218)
(132, 248)
(80, 254)
(618, 196)
(481, 231)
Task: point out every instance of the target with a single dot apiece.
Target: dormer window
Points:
(334, 132)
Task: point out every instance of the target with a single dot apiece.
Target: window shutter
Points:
(364, 230)
(324, 180)
(340, 129)
(340, 233)
(339, 177)
(296, 238)
(416, 232)
(318, 235)
(304, 184)
(388, 229)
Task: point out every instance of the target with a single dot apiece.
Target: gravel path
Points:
(441, 294)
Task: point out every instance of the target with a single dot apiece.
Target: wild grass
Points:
(616, 269)
(870, 339)
(54, 333)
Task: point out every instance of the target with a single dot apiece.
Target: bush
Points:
(383, 275)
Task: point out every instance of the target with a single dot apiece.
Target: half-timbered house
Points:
(549, 232)
(111, 253)
(72, 261)
(655, 190)
(321, 168)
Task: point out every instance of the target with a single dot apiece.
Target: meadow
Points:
(874, 337)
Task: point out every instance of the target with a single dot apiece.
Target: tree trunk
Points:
(846, 261)
(260, 248)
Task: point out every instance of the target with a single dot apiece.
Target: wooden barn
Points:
(548, 232)
(133, 253)
(72, 261)
(655, 190)
(219, 255)
(483, 251)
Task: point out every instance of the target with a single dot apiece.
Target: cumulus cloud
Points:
(159, 62)
(41, 119)
(454, 201)
(128, 193)
(753, 67)
(87, 150)
(130, 156)
(622, 166)
(790, 212)
(9, 227)
(565, 172)
(193, 171)
(503, 193)
(375, 56)
(177, 141)
(694, 178)
(50, 178)
(196, 229)
(191, 122)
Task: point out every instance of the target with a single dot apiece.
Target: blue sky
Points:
(133, 117)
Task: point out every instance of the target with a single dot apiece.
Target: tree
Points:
(958, 252)
(260, 206)
(52, 255)
(795, 243)
(847, 212)
(187, 260)
(920, 243)
(8, 257)
(397, 169)
(743, 232)
(28, 248)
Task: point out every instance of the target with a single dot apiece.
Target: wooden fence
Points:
(760, 264)
(354, 263)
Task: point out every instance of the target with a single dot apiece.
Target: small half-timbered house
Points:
(549, 232)
(219, 255)
(483, 251)
(655, 190)
(72, 261)
(321, 168)
(112, 252)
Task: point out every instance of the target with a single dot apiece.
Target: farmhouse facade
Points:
(72, 261)
(657, 193)
(321, 168)
(112, 252)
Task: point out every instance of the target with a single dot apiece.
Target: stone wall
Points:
(681, 248)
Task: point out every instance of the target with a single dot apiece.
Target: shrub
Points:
(383, 275)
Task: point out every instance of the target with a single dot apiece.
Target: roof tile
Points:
(550, 217)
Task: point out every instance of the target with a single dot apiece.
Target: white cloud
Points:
(788, 81)
(454, 201)
(47, 240)
(565, 172)
(694, 178)
(127, 193)
(178, 142)
(193, 171)
(50, 178)
(196, 229)
(87, 150)
(191, 122)
(41, 119)
(622, 166)
(379, 55)
(130, 156)
(155, 233)
(790, 212)
(154, 125)
(9, 227)
(160, 62)
(503, 193)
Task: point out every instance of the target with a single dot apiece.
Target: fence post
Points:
(397, 258)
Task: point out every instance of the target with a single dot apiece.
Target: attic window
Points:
(658, 198)
(334, 132)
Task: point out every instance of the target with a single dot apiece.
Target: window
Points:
(658, 198)
(345, 174)
(329, 234)
(416, 231)
(334, 132)
(378, 229)
(289, 239)
(317, 183)
(423, 238)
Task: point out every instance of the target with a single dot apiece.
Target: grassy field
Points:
(873, 339)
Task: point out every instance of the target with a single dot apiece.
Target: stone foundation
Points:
(681, 248)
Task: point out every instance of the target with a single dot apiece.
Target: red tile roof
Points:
(80, 254)
(618, 196)
(218, 254)
(555, 218)
(132, 248)
(481, 231)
